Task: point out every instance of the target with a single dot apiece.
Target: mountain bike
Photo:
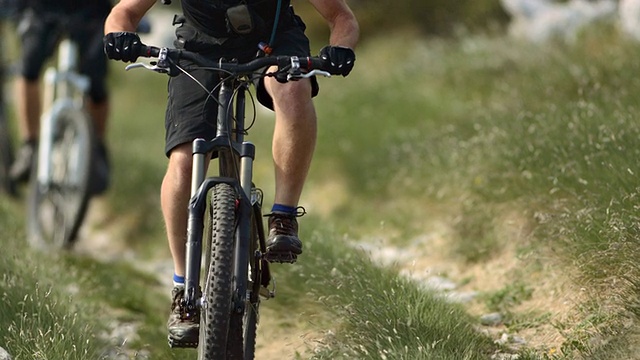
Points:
(61, 189)
(60, 184)
(236, 275)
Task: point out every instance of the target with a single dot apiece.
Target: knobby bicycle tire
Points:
(57, 209)
(6, 154)
(218, 287)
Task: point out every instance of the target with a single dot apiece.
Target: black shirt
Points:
(209, 17)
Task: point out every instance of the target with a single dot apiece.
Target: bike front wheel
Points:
(218, 286)
(59, 189)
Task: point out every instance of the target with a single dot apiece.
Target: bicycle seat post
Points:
(67, 55)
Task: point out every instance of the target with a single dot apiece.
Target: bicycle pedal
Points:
(267, 294)
(281, 257)
(175, 343)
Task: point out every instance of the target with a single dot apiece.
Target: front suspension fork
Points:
(195, 226)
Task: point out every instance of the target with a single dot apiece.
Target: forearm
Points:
(119, 21)
(341, 20)
(126, 15)
(345, 31)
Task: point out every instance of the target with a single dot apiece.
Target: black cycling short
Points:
(191, 113)
(40, 35)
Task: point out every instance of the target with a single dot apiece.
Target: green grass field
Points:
(425, 134)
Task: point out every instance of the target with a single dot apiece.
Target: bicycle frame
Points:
(227, 145)
(59, 193)
(64, 87)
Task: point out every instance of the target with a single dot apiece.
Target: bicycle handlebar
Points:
(293, 64)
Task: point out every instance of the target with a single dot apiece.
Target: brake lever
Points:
(153, 67)
(163, 65)
(300, 75)
(295, 73)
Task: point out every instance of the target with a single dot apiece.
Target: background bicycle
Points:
(60, 186)
(236, 274)
(72, 161)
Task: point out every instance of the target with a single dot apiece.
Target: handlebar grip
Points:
(317, 63)
(312, 63)
(149, 51)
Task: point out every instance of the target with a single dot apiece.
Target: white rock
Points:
(4, 355)
(542, 20)
(629, 13)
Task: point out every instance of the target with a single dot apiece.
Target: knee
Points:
(180, 164)
(292, 92)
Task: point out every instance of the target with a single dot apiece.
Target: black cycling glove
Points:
(339, 60)
(123, 46)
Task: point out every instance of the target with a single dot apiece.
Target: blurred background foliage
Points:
(434, 17)
(440, 17)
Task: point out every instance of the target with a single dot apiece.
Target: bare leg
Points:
(294, 137)
(174, 201)
(29, 106)
(174, 198)
(99, 112)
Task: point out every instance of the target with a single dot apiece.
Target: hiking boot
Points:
(100, 170)
(183, 327)
(21, 167)
(283, 244)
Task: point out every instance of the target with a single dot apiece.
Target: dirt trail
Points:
(430, 260)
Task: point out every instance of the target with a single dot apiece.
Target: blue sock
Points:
(178, 280)
(284, 209)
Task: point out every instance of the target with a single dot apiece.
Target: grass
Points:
(64, 306)
(484, 126)
(38, 320)
(418, 326)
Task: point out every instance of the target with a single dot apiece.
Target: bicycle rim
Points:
(218, 289)
(57, 206)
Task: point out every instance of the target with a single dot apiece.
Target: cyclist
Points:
(9, 9)
(40, 27)
(232, 30)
